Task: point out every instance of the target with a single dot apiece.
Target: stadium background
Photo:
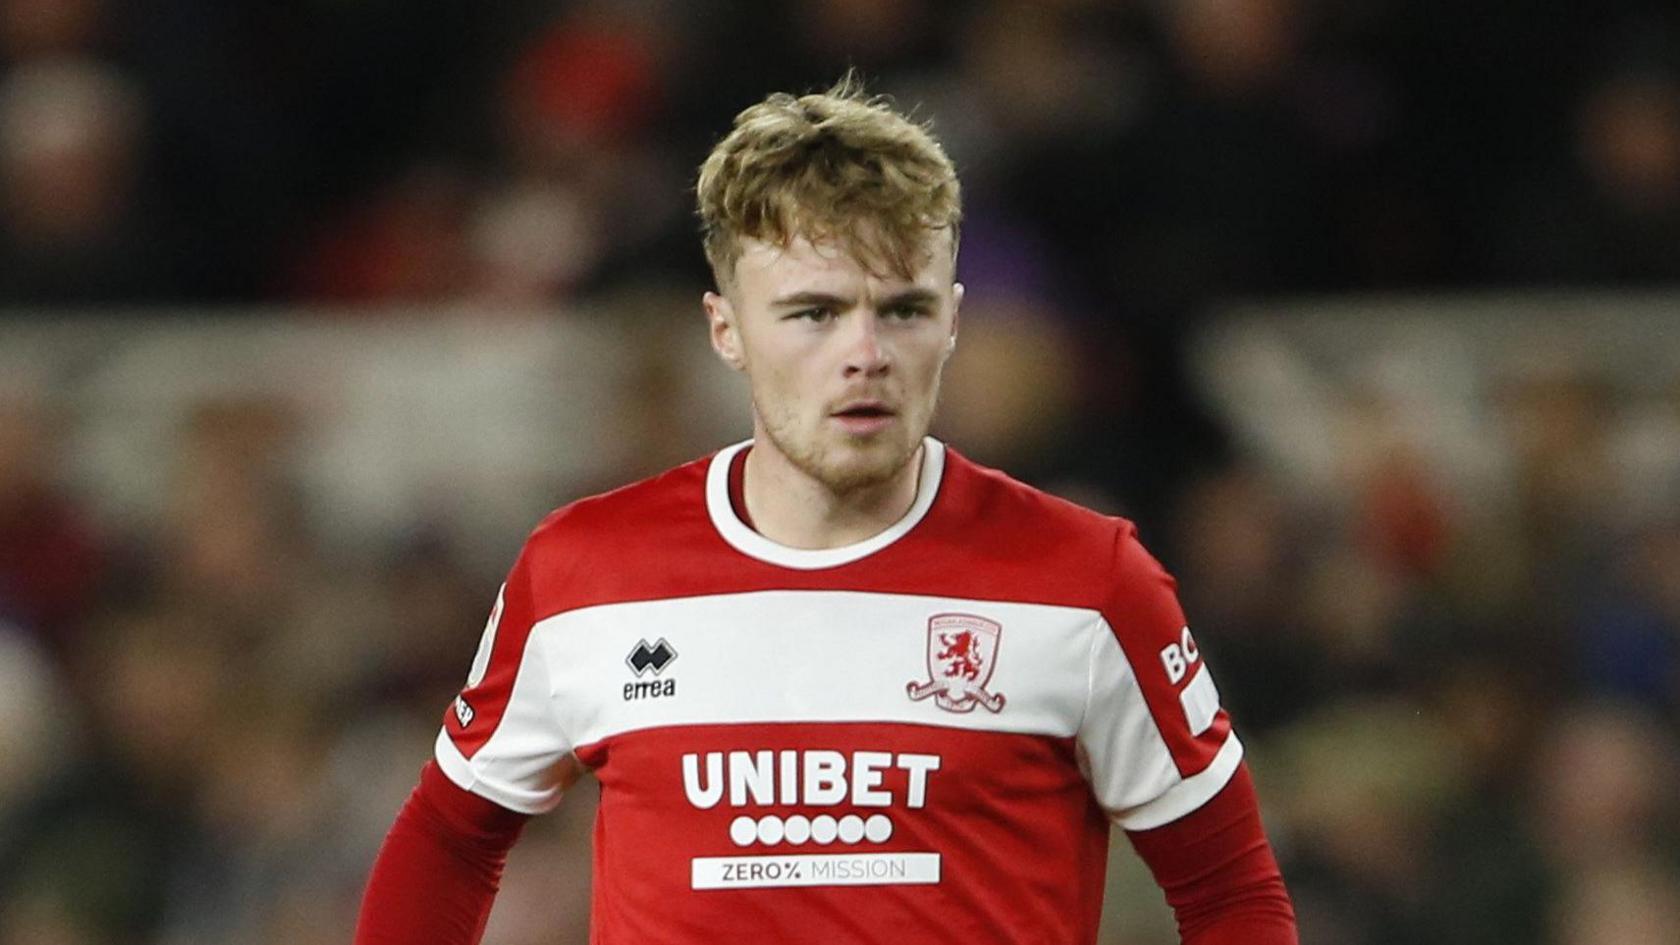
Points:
(1361, 309)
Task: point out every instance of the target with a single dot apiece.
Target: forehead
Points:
(827, 264)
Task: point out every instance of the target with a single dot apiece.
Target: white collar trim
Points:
(751, 543)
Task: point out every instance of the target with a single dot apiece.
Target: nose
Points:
(865, 354)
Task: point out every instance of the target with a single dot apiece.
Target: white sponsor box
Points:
(836, 869)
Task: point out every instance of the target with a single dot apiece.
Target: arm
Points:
(1167, 766)
(500, 758)
(1218, 871)
(438, 870)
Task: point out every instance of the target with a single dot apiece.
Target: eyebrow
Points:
(916, 296)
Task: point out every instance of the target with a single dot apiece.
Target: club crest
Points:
(961, 654)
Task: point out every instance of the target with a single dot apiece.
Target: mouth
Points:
(863, 417)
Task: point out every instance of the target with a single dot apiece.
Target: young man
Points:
(837, 683)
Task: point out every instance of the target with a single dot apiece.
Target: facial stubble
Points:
(816, 457)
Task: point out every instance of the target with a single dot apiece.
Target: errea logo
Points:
(656, 657)
(645, 658)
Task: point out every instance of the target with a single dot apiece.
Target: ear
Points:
(956, 310)
(725, 335)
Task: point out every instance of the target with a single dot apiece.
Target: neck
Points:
(790, 507)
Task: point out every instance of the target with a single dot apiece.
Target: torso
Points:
(860, 745)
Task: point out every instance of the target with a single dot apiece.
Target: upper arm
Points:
(501, 736)
(1155, 738)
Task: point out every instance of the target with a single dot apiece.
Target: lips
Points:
(865, 408)
(864, 417)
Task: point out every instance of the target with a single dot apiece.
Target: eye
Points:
(906, 312)
(818, 313)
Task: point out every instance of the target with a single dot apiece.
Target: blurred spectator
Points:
(73, 226)
(43, 28)
(1220, 195)
(1032, 68)
(408, 245)
(50, 554)
(1491, 882)
(889, 34)
(1403, 519)
(1557, 420)
(1635, 905)
(94, 854)
(583, 188)
(28, 682)
(1236, 50)
(1361, 785)
(1627, 635)
(269, 829)
(1602, 794)
(1613, 212)
(1009, 400)
(426, 598)
(236, 551)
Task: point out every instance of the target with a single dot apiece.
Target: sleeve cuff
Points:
(461, 771)
(1188, 794)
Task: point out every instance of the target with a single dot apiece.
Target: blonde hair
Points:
(838, 165)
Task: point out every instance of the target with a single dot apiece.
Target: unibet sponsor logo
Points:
(811, 778)
(817, 778)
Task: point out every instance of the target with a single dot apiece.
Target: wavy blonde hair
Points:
(838, 165)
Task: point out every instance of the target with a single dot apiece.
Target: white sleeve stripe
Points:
(459, 769)
(1200, 701)
(1188, 794)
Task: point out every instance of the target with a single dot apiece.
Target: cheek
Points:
(770, 371)
(780, 378)
(930, 369)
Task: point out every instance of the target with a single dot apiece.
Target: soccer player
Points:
(837, 683)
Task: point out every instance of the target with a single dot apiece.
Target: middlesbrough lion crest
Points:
(961, 653)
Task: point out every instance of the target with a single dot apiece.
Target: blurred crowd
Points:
(1140, 155)
(1464, 720)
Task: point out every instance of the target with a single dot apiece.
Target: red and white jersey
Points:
(925, 734)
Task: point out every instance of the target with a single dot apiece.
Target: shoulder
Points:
(604, 515)
(1077, 555)
(574, 547)
(1007, 505)
(1082, 556)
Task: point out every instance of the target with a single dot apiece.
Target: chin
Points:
(860, 464)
